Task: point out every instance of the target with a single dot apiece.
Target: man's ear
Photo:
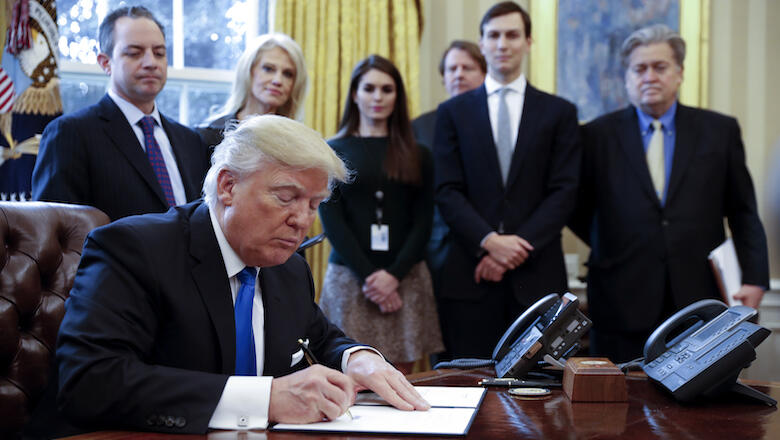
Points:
(226, 183)
(105, 63)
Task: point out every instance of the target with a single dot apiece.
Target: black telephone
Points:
(550, 329)
(713, 343)
(553, 326)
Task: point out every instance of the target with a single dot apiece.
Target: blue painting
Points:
(590, 33)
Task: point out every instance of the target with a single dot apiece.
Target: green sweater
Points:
(351, 210)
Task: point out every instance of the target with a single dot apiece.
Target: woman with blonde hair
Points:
(377, 287)
(270, 78)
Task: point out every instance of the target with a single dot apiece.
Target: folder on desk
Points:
(452, 411)
(728, 274)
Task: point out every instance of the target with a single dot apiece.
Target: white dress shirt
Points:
(245, 400)
(515, 99)
(133, 115)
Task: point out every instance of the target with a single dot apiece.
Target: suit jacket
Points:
(212, 133)
(535, 203)
(92, 157)
(424, 127)
(149, 334)
(636, 243)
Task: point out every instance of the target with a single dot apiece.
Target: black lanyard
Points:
(379, 196)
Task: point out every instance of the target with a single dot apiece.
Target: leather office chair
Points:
(41, 248)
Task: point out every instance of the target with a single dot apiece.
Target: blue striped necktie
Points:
(246, 361)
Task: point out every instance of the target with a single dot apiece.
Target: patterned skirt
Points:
(402, 336)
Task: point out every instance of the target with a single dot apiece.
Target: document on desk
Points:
(452, 411)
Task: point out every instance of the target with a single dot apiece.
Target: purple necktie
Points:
(156, 158)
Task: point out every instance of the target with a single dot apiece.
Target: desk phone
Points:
(715, 342)
(553, 326)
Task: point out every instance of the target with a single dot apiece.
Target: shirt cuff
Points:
(349, 351)
(484, 239)
(244, 403)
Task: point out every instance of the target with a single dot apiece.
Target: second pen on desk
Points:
(311, 359)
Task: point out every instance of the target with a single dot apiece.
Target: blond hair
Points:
(242, 84)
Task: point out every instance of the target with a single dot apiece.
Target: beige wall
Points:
(744, 58)
(744, 62)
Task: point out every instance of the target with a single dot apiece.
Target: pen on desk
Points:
(309, 355)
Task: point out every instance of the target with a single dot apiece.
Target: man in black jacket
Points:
(658, 179)
(122, 155)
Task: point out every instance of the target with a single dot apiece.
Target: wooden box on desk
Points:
(594, 380)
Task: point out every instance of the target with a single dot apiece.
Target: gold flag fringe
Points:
(5, 127)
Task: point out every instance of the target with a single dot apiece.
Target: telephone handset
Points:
(701, 350)
(550, 329)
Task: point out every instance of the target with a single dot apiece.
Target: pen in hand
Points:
(311, 359)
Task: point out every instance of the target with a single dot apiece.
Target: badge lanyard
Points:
(380, 233)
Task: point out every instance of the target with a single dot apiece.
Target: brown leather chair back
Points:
(40, 252)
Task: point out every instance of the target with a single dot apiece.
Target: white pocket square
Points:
(296, 357)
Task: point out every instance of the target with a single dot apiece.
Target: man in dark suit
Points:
(462, 68)
(658, 179)
(121, 155)
(507, 163)
(151, 339)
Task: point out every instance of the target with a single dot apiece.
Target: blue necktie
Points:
(155, 156)
(245, 338)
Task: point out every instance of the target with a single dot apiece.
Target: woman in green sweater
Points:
(377, 287)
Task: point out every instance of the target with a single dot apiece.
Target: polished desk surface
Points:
(648, 414)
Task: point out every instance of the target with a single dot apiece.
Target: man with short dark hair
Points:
(658, 179)
(122, 155)
(507, 164)
(189, 320)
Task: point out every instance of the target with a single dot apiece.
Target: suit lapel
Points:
(631, 143)
(484, 131)
(529, 122)
(122, 136)
(211, 279)
(274, 324)
(685, 145)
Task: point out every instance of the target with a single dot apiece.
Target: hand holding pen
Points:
(312, 360)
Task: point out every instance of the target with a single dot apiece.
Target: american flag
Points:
(6, 92)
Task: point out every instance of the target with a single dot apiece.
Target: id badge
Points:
(380, 237)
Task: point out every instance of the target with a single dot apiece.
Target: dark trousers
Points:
(471, 329)
(623, 346)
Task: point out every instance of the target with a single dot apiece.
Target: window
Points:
(204, 42)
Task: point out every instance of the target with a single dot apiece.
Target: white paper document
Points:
(452, 411)
(728, 274)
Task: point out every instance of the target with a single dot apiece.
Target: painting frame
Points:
(694, 29)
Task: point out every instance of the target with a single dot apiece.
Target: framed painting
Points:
(576, 48)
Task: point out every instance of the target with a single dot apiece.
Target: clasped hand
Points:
(505, 252)
(381, 288)
(318, 392)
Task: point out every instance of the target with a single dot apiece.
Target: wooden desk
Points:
(648, 414)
